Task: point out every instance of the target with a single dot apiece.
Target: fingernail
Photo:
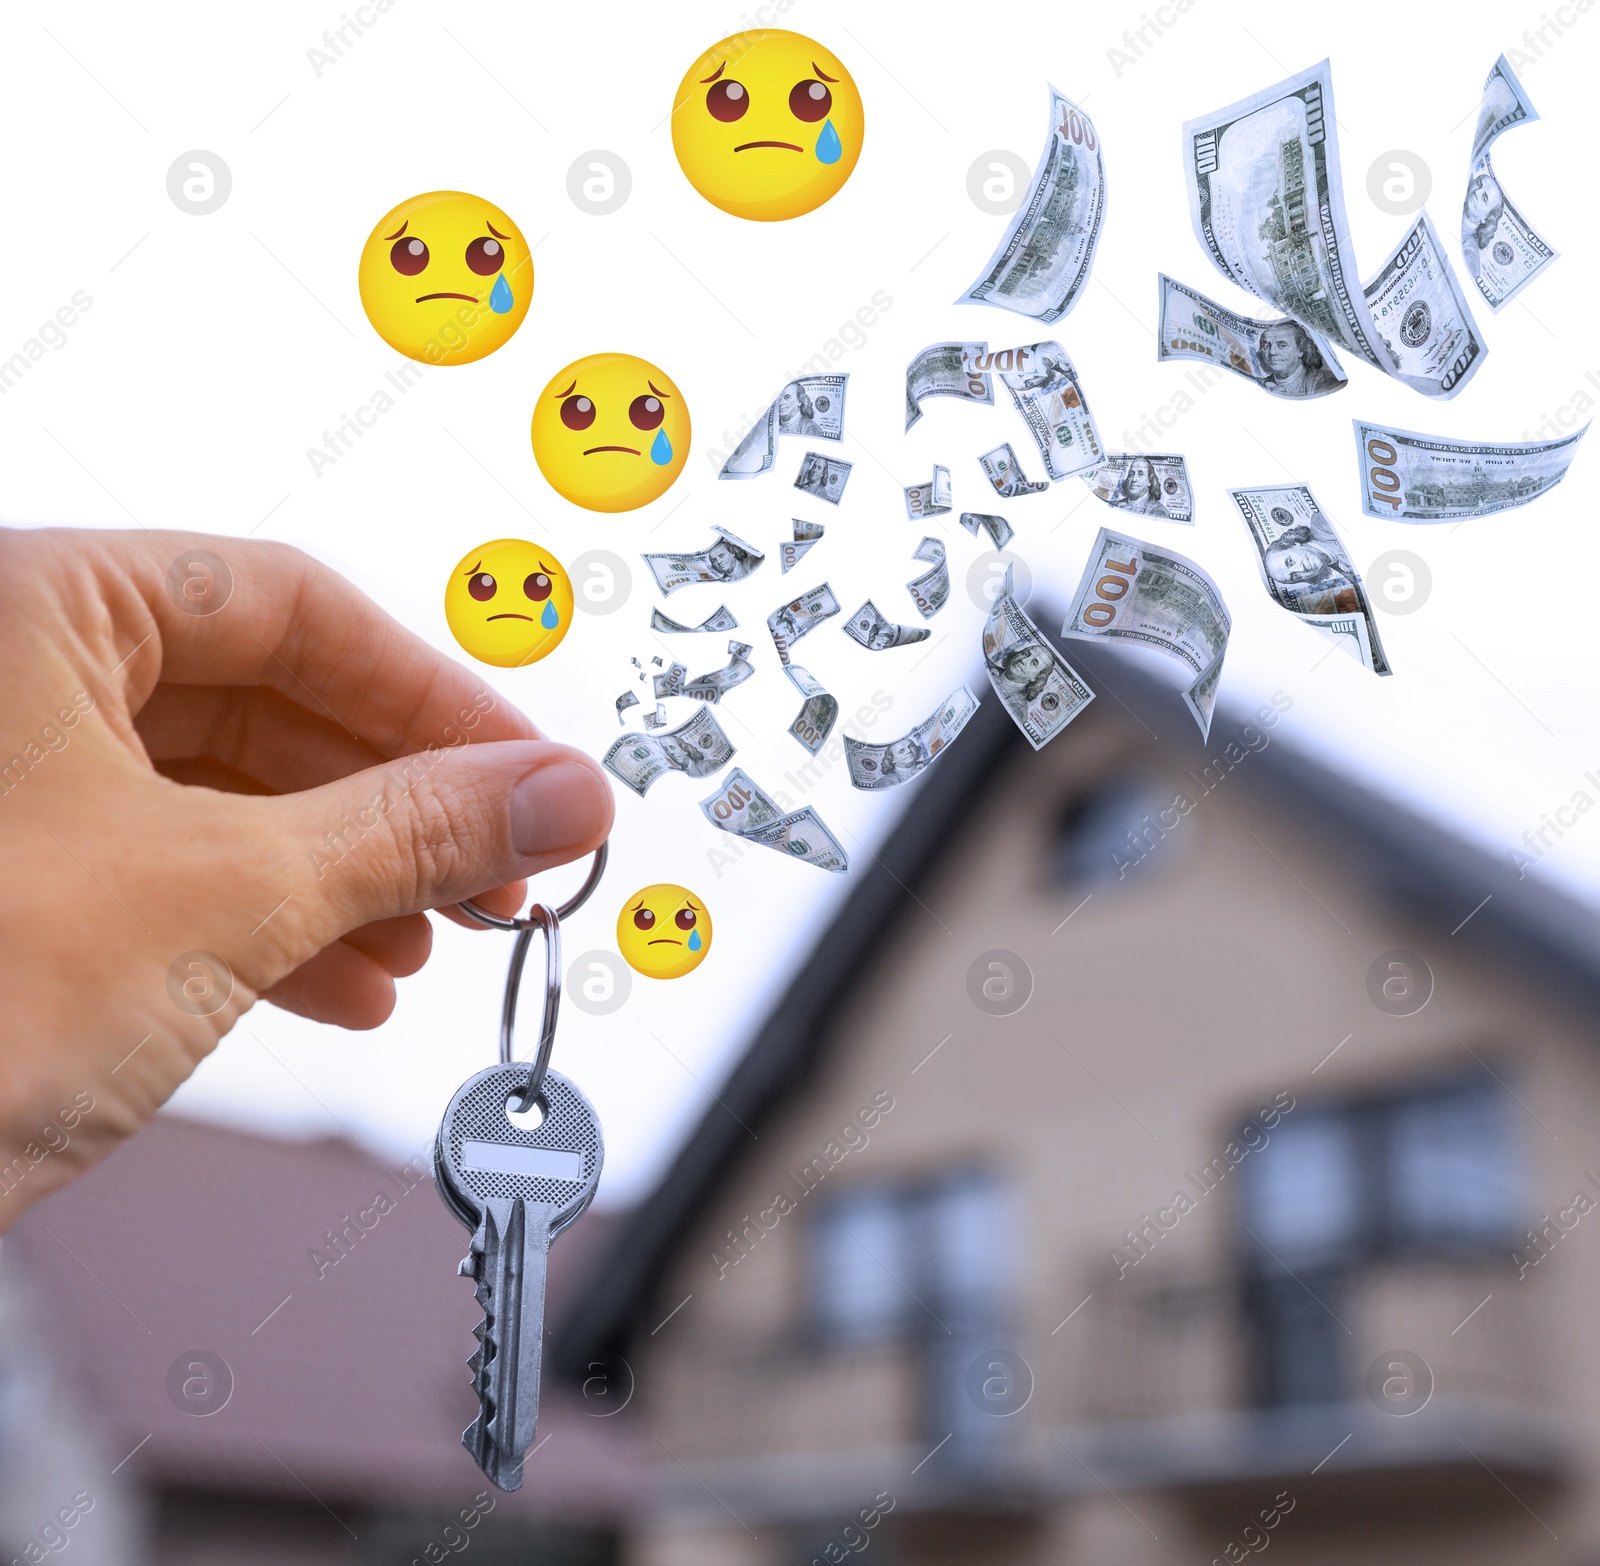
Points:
(556, 807)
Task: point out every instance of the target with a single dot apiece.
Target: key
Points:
(516, 1190)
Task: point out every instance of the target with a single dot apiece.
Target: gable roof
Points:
(1435, 875)
(347, 1360)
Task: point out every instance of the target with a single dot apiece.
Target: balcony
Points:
(1153, 1385)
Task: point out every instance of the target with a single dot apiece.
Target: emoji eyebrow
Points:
(473, 571)
(567, 392)
(691, 903)
(715, 74)
(822, 73)
(543, 567)
(639, 904)
(493, 230)
(656, 389)
(398, 232)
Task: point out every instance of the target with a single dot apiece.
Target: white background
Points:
(219, 348)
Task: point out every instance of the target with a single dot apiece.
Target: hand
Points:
(201, 809)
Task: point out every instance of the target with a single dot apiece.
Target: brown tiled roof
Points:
(351, 1386)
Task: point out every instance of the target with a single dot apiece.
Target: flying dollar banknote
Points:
(1499, 246)
(721, 619)
(931, 499)
(930, 590)
(1307, 570)
(730, 559)
(1267, 202)
(1044, 386)
(1035, 684)
(812, 405)
(805, 535)
(1422, 317)
(800, 616)
(1147, 485)
(627, 699)
(823, 477)
(698, 747)
(670, 682)
(656, 719)
(1002, 469)
(1134, 592)
(877, 634)
(1426, 478)
(1281, 357)
(1043, 262)
(818, 710)
(887, 766)
(714, 686)
(940, 370)
(740, 806)
(999, 530)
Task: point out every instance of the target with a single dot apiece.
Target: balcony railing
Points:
(1154, 1382)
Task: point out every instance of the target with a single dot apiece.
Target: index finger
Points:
(292, 623)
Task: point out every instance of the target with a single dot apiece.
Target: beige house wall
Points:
(1227, 969)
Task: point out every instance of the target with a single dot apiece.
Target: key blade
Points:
(520, 1266)
(497, 1468)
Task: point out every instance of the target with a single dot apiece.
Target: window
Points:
(1452, 1172)
(1304, 1197)
(895, 1260)
(1100, 834)
(1428, 1172)
(861, 1254)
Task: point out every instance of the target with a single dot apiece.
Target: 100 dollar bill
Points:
(1133, 592)
(1044, 386)
(887, 766)
(1043, 261)
(1267, 202)
(1422, 316)
(1282, 357)
(1307, 570)
(1145, 483)
(1041, 691)
(1499, 246)
(940, 370)
(1409, 477)
(742, 807)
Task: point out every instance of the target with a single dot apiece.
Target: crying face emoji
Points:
(509, 602)
(767, 125)
(664, 931)
(446, 278)
(611, 432)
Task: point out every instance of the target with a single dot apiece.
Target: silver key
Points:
(516, 1190)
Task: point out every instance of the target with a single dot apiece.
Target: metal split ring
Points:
(565, 911)
(548, 920)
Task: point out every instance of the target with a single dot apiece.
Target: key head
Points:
(482, 1155)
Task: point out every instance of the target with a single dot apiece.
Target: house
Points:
(244, 1349)
(1172, 1151)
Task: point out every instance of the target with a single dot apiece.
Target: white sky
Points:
(219, 348)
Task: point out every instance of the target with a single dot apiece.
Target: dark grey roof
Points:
(1434, 874)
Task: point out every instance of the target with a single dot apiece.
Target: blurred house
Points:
(1171, 1152)
(248, 1350)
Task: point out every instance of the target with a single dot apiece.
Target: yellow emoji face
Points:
(509, 602)
(664, 931)
(611, 432)
(446, 278)
(767, 125)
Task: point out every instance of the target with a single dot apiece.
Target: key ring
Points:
(548, 920)
(565, 911)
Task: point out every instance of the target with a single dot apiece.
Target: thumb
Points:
(431, 829)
